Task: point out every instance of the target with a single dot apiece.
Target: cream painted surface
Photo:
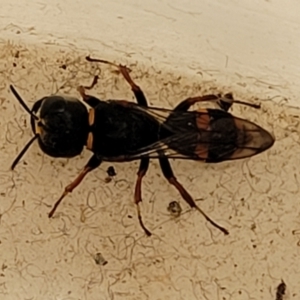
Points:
(253, 42)
(175, 49)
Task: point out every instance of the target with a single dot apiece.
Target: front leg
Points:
(139, 94)
(92, 164)
(90, 100)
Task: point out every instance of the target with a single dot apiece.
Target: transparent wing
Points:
(210, 135)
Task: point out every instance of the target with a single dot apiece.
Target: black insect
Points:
(118, 131)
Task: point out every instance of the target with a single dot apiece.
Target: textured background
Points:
(255, 199)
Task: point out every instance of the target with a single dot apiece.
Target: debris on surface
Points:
(99, 259)
(280, 290)
(174, 209)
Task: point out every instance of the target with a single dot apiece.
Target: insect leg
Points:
(90, 100)
(224, 102)
(166, 167)
(144, 164)
(169, 175)
(92, 164)
(139, 95)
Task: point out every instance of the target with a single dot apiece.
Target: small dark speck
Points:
(129, 217)
(100, 260)
(17, 54)
(174, 209)
(280, 290)
(63, 66)
(14, 64)
(111, 171)
(18, 32)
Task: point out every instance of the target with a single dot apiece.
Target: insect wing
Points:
(209, 135)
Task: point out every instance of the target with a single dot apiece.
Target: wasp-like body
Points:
(119, 131)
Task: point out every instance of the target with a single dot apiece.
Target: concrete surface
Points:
(175, 50)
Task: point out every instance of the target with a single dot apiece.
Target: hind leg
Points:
(224, 102)
(167, 169)
(169, 175)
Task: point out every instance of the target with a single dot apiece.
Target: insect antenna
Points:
(23, 151)
(24, 105)
(21, 101)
